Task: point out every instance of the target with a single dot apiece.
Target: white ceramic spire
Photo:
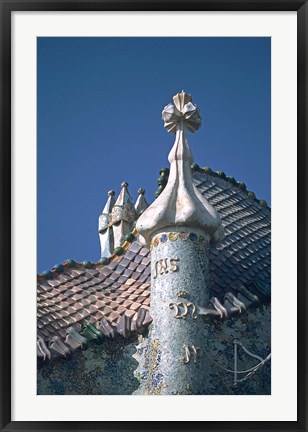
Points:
(123, 215)
(180, 203)
(105, 230)
(141, 204)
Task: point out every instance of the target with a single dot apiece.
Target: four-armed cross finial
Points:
(183, 111)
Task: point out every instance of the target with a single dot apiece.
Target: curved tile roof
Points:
(80, 302)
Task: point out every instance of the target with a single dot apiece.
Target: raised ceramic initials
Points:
(173, 265)
(190, 352)
(162, 266)
(177, 307)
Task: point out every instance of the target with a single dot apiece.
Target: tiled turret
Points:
(178, 227)
(118, 219)
(123, 215)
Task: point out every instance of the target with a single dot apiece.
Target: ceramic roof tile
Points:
(121, 310)
(114, 264)
(114, 276)
(138, 259)
(144, 252)
(81, 295)
(65, 277)
(120, 269)
(136, 247)
(128, 272)
(132, 266)
(135, 275)
(146, 260)
(124, 295)
(130, 313)
(140, 268)
(122, 279)
(127, 303)
(143, 277)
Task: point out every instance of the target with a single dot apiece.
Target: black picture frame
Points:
(8, 6)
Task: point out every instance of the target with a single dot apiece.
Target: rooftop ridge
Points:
(164, 173)
(70, 263)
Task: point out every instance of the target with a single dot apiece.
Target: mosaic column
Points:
(178, 228)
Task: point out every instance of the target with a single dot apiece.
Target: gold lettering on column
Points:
(163, 266)
(181, 310)
(155, 270)
(173, 265)
(189, 352)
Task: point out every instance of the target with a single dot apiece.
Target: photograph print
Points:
(154, 215)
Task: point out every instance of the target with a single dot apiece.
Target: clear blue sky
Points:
(99, 123)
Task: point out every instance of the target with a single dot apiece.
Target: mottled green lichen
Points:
(104, 369)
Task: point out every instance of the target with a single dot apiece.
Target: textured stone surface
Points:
(175, 332)
(110, 368)
(101, 369)
(252, 329)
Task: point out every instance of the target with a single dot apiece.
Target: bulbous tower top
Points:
(180, 204)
